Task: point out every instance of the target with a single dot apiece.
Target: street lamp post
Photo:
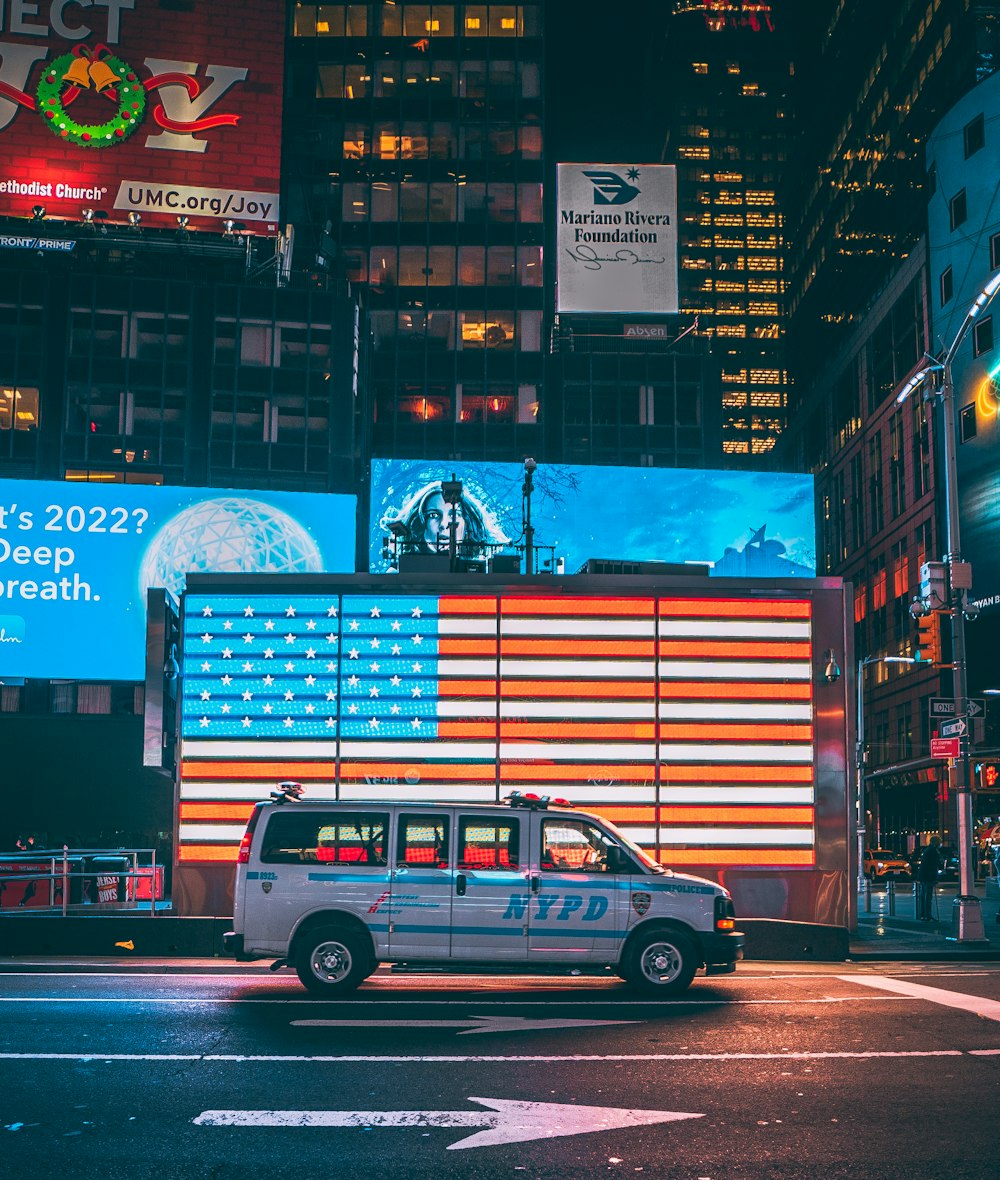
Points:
(529, 533)
(860, 754)
(967, 916)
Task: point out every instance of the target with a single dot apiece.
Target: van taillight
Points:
(243, 856)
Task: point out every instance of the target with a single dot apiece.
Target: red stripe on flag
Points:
(227, 812)
(351, 772)
(466, 729)
(587, 730)
(454, 605)
(734, 690)
(615, 774)
(208, 771)
(215, 853)
(712, 858)
(572, 607)
(725, 815)
(719, 775)
(697, 731)
(734, 608)
(633, 690)
(750, 649)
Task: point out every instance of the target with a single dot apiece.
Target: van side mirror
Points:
(618, 861)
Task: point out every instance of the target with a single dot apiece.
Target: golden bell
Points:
(78, 74)
(102, 75)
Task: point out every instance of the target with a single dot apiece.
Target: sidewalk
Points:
(883, 935)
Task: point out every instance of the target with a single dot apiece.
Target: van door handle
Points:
(460, 883)
(536, 882)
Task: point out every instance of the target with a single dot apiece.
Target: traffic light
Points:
(928, 649)
(989, 776)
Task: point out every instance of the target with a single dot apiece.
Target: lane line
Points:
(343, 1004)
(453, 1058)
(977, 1005)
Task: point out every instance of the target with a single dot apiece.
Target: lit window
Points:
(700, 67)
(18, 408)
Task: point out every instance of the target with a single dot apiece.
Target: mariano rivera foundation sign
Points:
(617, 238)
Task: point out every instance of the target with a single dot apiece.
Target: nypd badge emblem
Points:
(640, 903)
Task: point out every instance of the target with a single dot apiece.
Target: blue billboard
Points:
(738, 523)
(76, 560)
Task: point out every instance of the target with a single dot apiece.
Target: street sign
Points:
(954, 728)
(944, 747)
(945, 707)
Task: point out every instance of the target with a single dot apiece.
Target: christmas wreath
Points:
(109, 76)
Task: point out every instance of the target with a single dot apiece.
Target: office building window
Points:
(995, 252)
(967, 421)
(958, 209)
(982, 336)
(947, 285)
(974, 135)
(18, 408)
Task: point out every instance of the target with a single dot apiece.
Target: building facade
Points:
(414, 168)
(727, 73)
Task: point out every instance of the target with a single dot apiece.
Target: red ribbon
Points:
(191, 85)
(8, 91)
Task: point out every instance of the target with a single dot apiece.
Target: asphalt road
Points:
(786, 1070)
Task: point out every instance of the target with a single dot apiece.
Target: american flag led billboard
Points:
(688, 721)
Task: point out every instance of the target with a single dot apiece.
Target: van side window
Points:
(318, 837)
(423, 840)
(573, 845)
(488, 843)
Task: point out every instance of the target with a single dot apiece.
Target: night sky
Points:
(595, 82)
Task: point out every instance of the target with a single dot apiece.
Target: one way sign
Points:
(956, 728)
(945, 707)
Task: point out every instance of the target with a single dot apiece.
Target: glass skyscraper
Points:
(413, 149)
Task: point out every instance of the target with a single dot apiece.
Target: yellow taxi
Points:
(882, 865)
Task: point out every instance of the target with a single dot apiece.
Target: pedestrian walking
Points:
(927, 878)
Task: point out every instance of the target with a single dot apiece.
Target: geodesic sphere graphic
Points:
(230, 534)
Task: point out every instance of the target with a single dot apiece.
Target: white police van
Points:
(530, 887)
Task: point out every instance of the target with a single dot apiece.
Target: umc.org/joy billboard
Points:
(121, 106)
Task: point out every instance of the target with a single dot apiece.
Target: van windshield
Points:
(654, 866)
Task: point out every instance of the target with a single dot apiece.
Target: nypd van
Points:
(529, 886)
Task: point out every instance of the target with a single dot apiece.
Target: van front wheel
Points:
(331, 961)
(664, 963)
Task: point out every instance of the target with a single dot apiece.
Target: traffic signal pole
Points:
(966, 915)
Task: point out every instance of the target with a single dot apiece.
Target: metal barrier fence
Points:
(80, 880)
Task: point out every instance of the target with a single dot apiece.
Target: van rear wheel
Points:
(332, 961)
(662, 963)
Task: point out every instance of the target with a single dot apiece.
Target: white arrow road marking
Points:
(506, 1121)
(472, 1025)
(990, 1009)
